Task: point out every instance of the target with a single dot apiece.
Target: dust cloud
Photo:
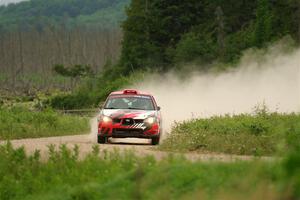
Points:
(92, 137)
(272, 78)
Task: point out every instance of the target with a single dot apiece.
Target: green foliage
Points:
(75, 71)
(40, 14)
(19, 122)
(61, 70)
(95, 90)
(291, 170)
(111, 175)
(285, 18)
(260, 134)
(153, 27)
(72, 101)
(110, 17)
(136, 46)
(193, 46)
(263, 26)
(159, 35)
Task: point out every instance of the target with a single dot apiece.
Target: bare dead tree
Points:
(33, 53)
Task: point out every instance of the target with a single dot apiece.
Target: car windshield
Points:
(132, 102)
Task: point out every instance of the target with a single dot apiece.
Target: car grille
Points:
(127, 121)
(116, 120)
(127, 132)
(138, 121)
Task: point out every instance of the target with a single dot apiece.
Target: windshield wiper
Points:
(111, 108)
(131, 108)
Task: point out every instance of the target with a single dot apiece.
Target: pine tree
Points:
(220, 31)
(263, 26)
(135, 43)
(153, 27)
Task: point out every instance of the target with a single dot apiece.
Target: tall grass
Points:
(261, 133)
(111, 175)
(19, 122)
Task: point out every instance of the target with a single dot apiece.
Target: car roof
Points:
(130, 92)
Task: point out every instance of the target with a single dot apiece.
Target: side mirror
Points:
(158, 108)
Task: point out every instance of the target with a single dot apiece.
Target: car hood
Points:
(135, 114)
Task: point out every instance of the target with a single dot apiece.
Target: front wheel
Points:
(101, 139)
(155, 141)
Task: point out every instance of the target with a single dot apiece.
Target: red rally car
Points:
(130, 114)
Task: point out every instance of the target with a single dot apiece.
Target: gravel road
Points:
(141, 147)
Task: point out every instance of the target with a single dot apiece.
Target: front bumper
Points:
(120, 131)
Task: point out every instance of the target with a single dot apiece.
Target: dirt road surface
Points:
(141, 147)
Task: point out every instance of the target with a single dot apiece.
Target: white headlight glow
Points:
(150, 120)
(106, 119)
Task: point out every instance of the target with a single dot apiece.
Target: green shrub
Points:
(18, 122)
(115, 175)
(291, 163)
(95, 90)
(259, 134)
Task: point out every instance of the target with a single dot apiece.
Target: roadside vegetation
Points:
(261, 133)
(111, 175)
(19, 122)
(95, 90)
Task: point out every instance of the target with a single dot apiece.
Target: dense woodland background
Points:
(48, 44)
(164, 33)
(37, 35)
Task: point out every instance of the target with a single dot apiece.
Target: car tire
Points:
(101, 140)
(155, 141)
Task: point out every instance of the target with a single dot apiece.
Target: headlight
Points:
(150, 120)
(105, 119)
